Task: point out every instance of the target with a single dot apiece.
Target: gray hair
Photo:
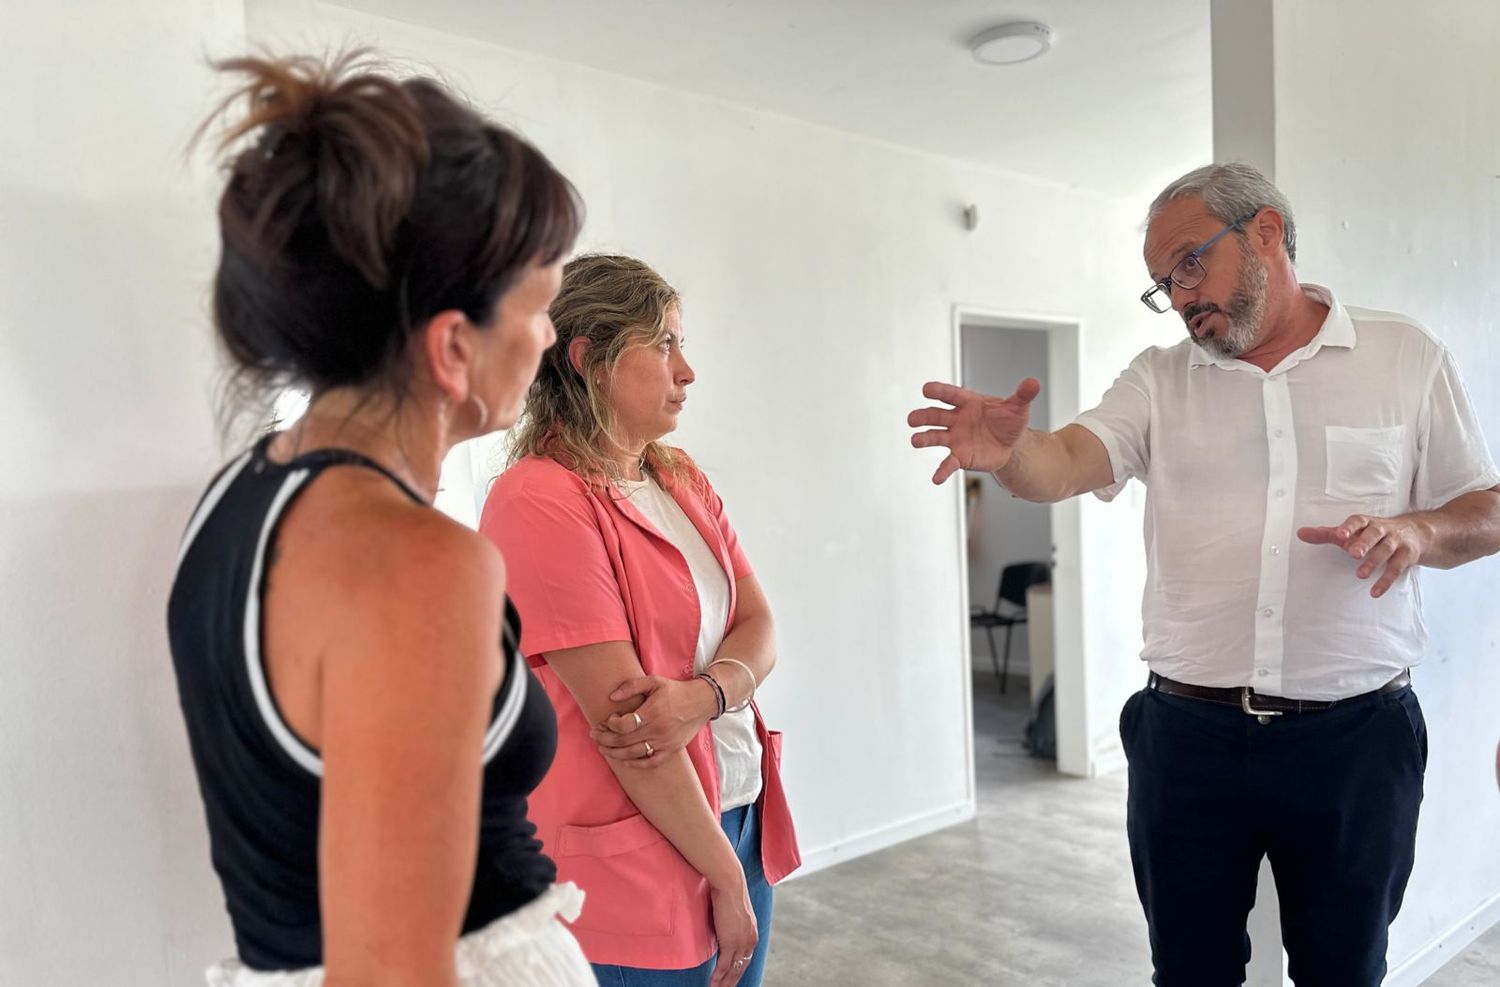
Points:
(1231, 191)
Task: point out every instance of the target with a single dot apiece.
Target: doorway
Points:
(1006, 534)
(994, 352)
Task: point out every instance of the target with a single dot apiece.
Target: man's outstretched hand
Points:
(980, 432)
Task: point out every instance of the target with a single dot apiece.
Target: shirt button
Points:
(1280, 433)
(1275, 549)
(1281, 493)
(1268, 612)
(1262, 672)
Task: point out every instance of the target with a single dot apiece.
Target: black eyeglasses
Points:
(1189, 272)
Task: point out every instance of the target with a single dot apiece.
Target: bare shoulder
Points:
(384, 570)
(417, 554)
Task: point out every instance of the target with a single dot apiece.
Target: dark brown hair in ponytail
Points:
(366, 205)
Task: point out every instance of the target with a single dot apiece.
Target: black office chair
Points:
(1009, 609)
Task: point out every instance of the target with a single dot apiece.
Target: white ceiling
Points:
(1121, 104)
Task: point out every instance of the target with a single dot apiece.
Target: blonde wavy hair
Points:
(615, 303)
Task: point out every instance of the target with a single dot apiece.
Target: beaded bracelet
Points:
(718, 692)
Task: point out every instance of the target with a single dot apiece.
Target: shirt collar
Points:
(1337, 330)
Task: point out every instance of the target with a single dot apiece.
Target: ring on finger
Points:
(637, 720)
(649, 751)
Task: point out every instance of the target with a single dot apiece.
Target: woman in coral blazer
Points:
(650, 633)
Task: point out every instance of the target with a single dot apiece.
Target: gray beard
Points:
(1244, 313)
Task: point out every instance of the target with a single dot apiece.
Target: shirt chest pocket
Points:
(1364, 464)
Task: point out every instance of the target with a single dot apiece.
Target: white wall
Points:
(1004, 529)
(106, 244)
(1386, 139)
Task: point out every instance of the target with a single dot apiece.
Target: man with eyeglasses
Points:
(1302, 460)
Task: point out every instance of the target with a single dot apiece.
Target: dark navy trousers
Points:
(1330, 797)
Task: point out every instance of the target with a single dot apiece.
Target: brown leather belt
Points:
(1255, 704)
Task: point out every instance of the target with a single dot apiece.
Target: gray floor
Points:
(1035, 891)
(1477, 966)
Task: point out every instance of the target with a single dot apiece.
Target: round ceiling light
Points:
(1008, 44)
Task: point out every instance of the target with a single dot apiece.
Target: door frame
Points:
(1075, 755)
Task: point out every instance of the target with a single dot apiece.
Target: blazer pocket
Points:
(1364, 464)
(630, 876)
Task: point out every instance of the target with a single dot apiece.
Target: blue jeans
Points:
(743, 829)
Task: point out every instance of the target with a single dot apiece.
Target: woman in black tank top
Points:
(364, 729)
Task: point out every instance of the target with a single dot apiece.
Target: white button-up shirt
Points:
(1370, 417)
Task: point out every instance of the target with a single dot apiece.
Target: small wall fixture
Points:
(1007, 44)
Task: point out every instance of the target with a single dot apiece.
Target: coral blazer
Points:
(585, 567)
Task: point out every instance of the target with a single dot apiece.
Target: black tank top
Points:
(260, 783)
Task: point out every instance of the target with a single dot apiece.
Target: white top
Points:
(737, 749)
(1369, 418)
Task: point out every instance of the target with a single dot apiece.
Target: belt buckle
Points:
(1261, 715)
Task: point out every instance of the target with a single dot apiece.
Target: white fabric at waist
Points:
(527, 946)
